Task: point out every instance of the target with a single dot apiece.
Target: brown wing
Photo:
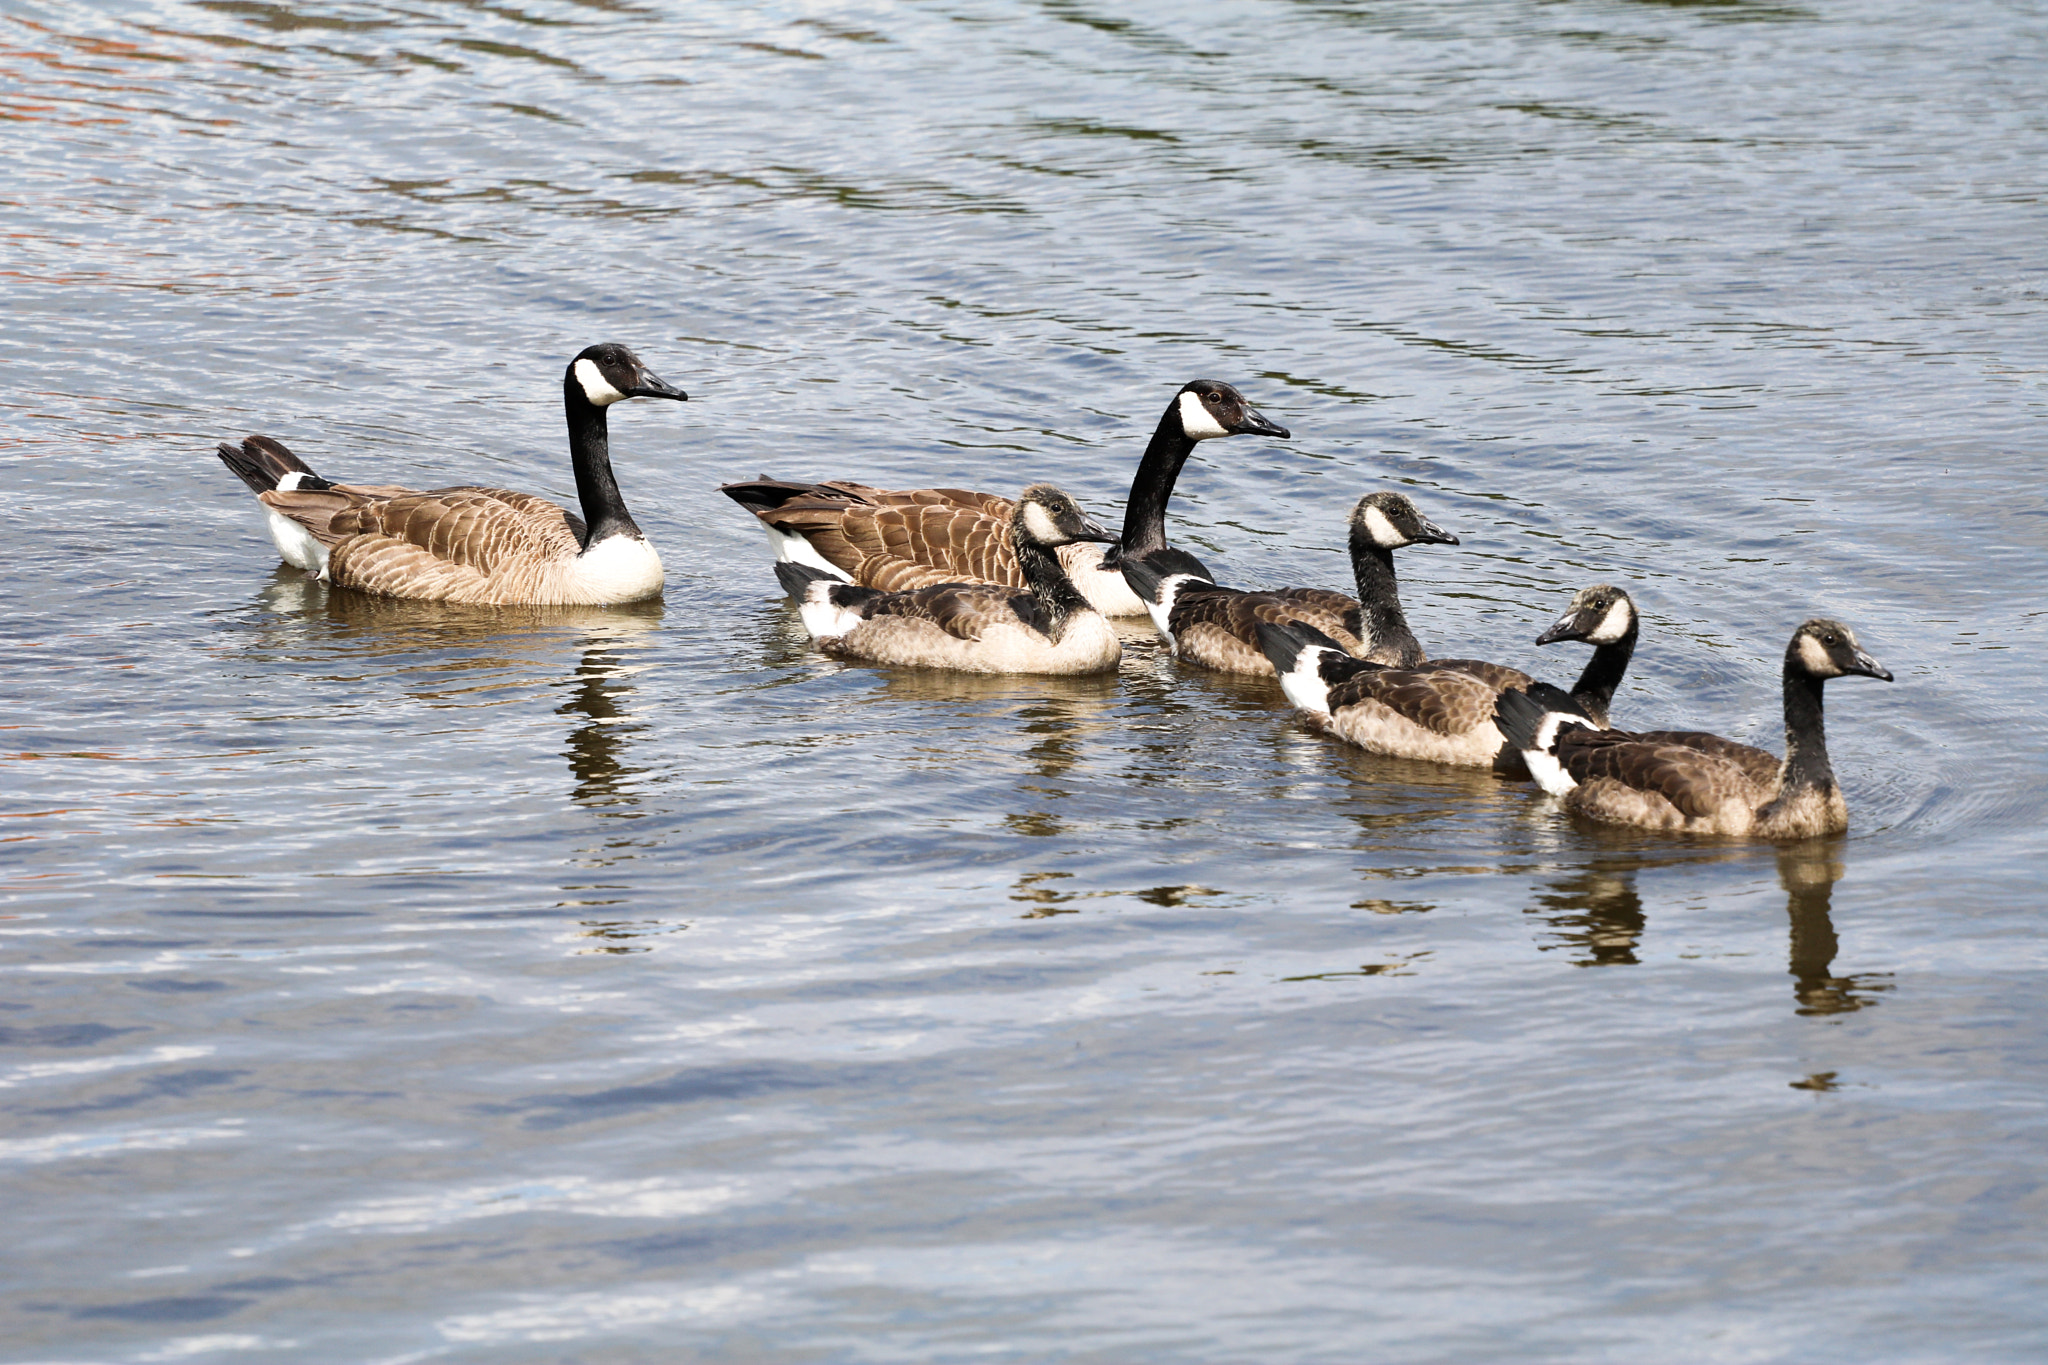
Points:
(478, 528)
(962, 610)
(1695, 781)
(1238, 614)
(1760, 766)
(1449, 701)
(987, 504)
(1497, 676)
(900, 547)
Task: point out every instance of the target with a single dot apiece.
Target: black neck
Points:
(1382, 623)
(1152, 485)
(1806, 736)
(1047, 580)
(1603, 672)
(604, 511)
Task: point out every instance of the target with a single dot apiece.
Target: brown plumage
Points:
(471, 544)
(1217, 627)
(1047, 627)
(902, 539)
(1443, 710)
(1695, 783)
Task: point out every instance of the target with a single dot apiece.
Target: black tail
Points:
(1147, 571)
(796, 579)
(261, 462)
(1519, 715)
(765, 494)
(1283, 643)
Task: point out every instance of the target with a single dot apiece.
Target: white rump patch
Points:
(795, 549)
(1304, 683)
(1382, 530)
(295, 543)
(619, 568)
(1196, 420)
(1039, 525)
(290, 482)
(822, 619)
(1614, 624)
(596, 387)
(1162, 610)
(1543, 765)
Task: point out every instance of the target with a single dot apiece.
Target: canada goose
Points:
(1443, 710)
(1214, 626)
(1046, 627)
(1697, 783)
(896, 540)
(469, 544)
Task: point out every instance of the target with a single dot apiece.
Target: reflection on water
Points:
(1809, 873)
(1595, 913)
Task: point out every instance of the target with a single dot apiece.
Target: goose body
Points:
(903, 539)
(471, 544)
(1692, 782)
(1044, 627)
(1217, 627)
(1442, 711)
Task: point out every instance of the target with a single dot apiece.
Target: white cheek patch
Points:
(1614, 624)
(596, 387)
(1816, 658)
(1382, 530)
(1196, 420)
(1039, 525)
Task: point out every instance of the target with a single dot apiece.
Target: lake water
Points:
(391, 983)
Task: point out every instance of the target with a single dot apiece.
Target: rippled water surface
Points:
(387, 982)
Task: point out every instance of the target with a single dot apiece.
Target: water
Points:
(395, 983)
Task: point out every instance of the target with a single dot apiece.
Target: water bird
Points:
(900, 539)
(471, 544)
(1216, 627)
(1046, 627)
(1443, 710)
(1692, 782)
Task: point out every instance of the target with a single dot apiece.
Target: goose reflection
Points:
(1595, 912)
(1808, 872)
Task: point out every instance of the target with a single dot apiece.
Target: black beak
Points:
(1433, 534)
(652, 385)
(1567, 628)
(1091, 529)
(1252, 424)
(1868, 667)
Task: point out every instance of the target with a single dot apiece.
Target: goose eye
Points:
(1829, 640)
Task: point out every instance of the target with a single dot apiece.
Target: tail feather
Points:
(765, 494)
(263, 464)
(1530, 722)
(1309, 662)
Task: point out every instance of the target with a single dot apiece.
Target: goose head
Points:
(1210, 408)
(1049, 517)
(608, 372)
(1824, 649)
(1599, 615)
(1388, 521)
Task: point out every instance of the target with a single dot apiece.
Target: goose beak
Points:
(1433, 534)
(1567, 628)
(1253, 424)
(1091, 529)
(1868, 667)
(652, 385)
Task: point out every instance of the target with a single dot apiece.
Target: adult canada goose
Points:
(471, 544)
(1215, 626)
(1046, 627)
(881, 538)
(1697, 783)
(1443, 710)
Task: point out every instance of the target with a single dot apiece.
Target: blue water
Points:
(384, 982)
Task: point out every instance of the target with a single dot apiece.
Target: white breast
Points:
(620, 568)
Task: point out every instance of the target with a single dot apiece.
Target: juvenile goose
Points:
(1443, 710)
(881, 538)
(1217, 627)
(471, 544)
(1697, 783)
(1047, 627)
